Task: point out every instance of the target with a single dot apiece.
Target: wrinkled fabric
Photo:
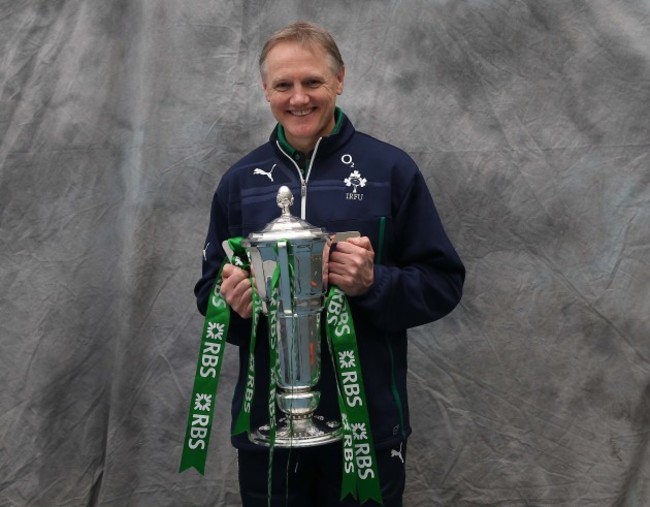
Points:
(530, 123)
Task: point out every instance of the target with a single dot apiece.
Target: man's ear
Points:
(340, 78)
(266, 91)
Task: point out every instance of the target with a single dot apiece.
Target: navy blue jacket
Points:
(354, 182)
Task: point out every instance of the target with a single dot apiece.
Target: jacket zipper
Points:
(303, 179)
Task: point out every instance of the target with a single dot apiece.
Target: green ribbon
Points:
(243, 422)
(208, 369)
(360, 476)
(273, 369)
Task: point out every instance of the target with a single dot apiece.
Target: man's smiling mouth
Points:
(302, 112)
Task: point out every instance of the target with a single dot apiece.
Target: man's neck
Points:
(302, 156)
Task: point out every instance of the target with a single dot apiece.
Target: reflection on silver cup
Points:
(295, 248)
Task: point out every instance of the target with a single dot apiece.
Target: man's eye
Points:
(313, 83)
(282, 87)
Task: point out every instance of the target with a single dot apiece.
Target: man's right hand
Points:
(237, 291)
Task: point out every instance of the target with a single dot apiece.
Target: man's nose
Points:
(299, 96)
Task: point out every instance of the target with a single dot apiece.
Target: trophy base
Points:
(299, 432)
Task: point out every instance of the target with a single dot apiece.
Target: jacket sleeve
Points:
(423, 277)
(213, 257)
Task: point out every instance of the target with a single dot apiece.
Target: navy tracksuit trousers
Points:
(311, 477)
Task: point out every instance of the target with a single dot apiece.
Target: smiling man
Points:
(402, 272)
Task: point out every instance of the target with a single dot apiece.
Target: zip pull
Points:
(303, 199)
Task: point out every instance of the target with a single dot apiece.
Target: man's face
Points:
(301, 87)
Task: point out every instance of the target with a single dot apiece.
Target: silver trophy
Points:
(296, 248)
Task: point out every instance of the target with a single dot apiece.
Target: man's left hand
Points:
(351, 266)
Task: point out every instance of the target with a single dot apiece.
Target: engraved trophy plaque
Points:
(296, 248)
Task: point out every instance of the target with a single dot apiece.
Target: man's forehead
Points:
(289, 57)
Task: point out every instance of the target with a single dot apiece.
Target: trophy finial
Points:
(284, 199)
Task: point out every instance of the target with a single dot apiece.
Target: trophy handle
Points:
(342, 236)
(226, 248)
(285, 278)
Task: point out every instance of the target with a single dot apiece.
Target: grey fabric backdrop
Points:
(531, 122)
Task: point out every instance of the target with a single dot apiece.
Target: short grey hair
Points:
(305, 33)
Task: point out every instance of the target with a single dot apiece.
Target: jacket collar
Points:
(343, 131)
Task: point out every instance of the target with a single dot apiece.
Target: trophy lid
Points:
(286, 226)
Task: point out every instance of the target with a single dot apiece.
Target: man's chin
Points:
(300, 125)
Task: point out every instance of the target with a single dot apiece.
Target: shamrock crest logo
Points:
(346, 359)
(355, 180)
(203, 402)
(359, 431)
